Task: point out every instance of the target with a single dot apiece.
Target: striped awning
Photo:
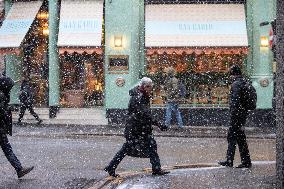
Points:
(80, 26)
(195, 25)
(17, 24)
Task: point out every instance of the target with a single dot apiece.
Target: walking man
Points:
(138, 131)
(238, 115)
(6, 85)
(26, 99)
(173, 98)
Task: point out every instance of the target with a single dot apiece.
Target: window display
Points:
(82, 81)
(204, 75)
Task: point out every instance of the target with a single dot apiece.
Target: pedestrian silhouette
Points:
(238, 115)
(6, 85)
(138, 131)
(27, 100)
(174, 94)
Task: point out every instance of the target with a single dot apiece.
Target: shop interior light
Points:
(264, 42)
(117, 41)
(45, 31)
(42, 15)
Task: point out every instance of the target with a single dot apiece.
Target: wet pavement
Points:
(72, 162)
(261, 175)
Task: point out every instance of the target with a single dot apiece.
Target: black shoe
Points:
(111, 172)
(225, 163)
(160, 172)
(39, 121)
(24, 171)
(19, 122)
(244, 165)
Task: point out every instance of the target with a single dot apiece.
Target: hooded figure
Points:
(6, 85)
(138, 131)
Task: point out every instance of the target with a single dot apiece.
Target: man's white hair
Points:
(145, 81)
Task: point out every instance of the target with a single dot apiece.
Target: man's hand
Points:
(163, 127)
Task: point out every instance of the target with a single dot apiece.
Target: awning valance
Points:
(191, 25)
(80, 24)
(208, 50)
(17, 24)
(70, 50)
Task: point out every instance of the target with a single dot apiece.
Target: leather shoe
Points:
(111, 172)
(39, 121)
(244, 165)
(160, 172)
(225, 163)
(24, 171)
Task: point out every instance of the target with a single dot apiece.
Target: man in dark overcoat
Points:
(138, 131)
(27, 101)
(6, 85)
(238, 115)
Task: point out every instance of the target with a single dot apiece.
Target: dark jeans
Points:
(153, 155)
(31, 110)
(7, 149)
(236, 135)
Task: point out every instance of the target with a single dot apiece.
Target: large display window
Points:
(204, 75)
(35, 57)
(82, 81)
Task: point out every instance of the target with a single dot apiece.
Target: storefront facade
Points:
(95, 57)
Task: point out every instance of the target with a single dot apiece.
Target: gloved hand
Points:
(163, 127)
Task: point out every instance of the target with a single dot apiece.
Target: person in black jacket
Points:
(6, 85)
(238, 115)
(26, 99)
(138, 130)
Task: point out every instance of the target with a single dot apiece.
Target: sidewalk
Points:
(88, 122)
(198, 176)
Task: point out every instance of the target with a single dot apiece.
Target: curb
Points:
(83, 131)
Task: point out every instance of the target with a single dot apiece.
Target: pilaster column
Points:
(53, 61)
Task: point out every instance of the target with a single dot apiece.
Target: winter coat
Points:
(6, 85)
(26, 95)
(172, 89)
(138, 130)
(237, 109)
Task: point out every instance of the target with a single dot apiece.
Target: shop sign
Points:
(80, 23)
(80, 26)
(118, 63)
(206, 25)
(196, 28)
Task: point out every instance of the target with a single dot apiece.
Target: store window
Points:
(35, 57)
(204, 76)
(82, 81)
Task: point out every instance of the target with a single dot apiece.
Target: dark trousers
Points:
(7, 149)
(153, 155)
(31, 110)
(236, 135)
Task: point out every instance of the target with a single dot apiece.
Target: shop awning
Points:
(195, 25)
(17, 24)
(80, 26)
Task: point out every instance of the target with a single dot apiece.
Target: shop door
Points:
(94, 83)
